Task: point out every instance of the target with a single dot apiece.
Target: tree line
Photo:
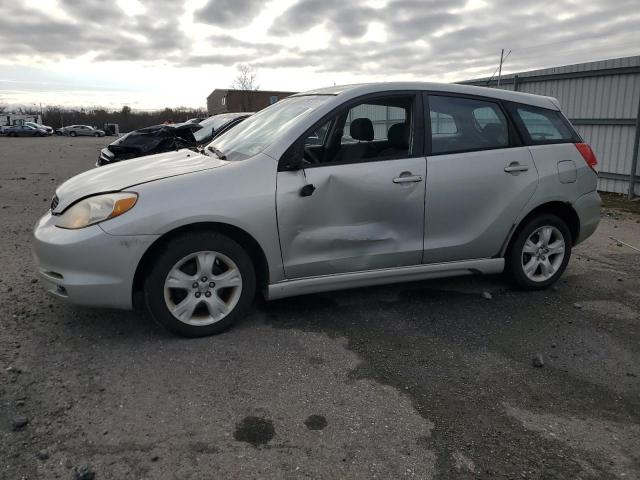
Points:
(127, 118)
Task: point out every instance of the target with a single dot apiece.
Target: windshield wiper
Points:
(217, 152)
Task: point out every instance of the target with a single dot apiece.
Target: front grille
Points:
(54, 202)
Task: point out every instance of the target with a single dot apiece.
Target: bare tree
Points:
(246, 81)
(246, 78)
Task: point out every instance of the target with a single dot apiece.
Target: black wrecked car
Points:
(164, 138)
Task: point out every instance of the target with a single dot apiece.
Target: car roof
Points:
(356, 90)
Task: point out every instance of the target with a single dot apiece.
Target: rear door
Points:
(479, 178)
(359, 202)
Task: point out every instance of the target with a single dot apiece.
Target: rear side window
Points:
(544, 126)
(466, 124)
(442, 125)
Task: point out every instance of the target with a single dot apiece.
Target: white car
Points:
(331, 189)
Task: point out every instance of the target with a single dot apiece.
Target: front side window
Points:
(319, 135)
(382, 118)
(259, 131)
(372, 130)
(466, 124)
(543, 125)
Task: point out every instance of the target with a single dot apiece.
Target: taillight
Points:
(588, 155)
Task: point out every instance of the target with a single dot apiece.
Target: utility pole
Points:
(500, 67)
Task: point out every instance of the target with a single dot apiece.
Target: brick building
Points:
(228, 100)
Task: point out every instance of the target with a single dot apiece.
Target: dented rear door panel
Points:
(356, 219)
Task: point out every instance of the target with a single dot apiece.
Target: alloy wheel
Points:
(203, 288)
(543, 253)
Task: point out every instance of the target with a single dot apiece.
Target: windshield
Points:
(213, 123)
(259, 131)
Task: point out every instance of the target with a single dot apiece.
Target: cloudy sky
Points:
(156, 53)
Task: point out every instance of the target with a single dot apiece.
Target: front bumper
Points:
(106, 157)
(87, 266)
(588, 209)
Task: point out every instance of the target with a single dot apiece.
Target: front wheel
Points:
(72, 134)
(539, 253)
(200, 284)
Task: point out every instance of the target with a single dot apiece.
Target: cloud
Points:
(413, 39)
(227, 13)
(98, 27)
(348, 19)
(102, 12)
(430, 38)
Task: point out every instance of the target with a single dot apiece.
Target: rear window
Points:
(545, 126)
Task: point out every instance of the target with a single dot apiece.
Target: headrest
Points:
(398, 135)
(361, 129)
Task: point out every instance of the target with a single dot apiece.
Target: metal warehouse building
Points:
(602, 100)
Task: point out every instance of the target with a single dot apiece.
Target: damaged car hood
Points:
(119, 176)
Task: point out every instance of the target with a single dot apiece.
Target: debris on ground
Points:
(19, 422)
(42, 455)
(538, 361)
(84, 472)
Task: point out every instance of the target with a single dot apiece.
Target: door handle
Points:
(516, 167)
(408, 179)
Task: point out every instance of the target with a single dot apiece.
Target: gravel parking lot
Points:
(425, 380)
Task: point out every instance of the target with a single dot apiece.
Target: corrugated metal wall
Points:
(602, 100)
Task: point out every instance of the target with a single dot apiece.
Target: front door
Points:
(359, 202)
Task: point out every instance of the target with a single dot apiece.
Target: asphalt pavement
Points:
(462, 378)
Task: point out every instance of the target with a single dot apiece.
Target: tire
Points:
(201, 301)
(96, 134)
(538, 268)
(72, 134)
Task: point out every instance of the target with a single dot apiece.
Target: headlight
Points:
(97, 209)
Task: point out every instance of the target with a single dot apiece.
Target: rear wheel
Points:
(539, 253)
(200, 285)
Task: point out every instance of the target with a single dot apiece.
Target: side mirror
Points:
(293, 158)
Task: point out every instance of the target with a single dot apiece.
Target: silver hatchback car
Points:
(81, 130)
(329, 189)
